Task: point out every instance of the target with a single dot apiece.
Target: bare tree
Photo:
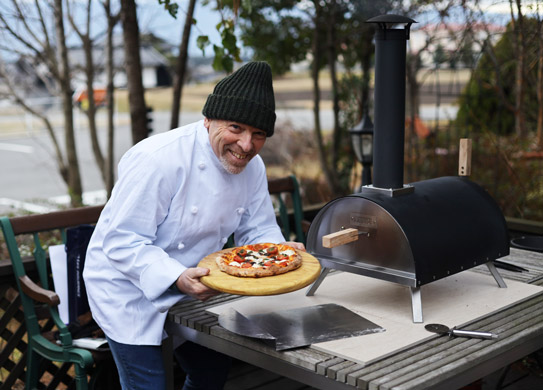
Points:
(112, 20)
(89, 69)
(520, 54)
(105, 164)
(520, 45)
(181, 66)
(539, 82)
(136, 92)
(317, 50)
(45, 47)
(539, 141)
(74, 177)
(332, 42)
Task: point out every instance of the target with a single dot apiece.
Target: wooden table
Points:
(440, 362)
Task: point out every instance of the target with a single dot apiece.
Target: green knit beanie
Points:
(246, 96)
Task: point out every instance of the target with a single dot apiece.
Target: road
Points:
(29, 176)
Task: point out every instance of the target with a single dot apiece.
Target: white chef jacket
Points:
(173, 204)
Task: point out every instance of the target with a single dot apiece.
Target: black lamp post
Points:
(362, 140)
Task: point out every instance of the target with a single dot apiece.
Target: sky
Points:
(153, 18)
(151, 15)
(502, 6)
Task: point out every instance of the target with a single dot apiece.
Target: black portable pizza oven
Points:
(408, 234)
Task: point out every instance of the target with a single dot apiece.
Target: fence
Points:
(13, 341)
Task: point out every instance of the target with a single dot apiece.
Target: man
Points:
(179, 196)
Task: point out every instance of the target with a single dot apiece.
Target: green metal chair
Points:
(280, 190)
(33, 295)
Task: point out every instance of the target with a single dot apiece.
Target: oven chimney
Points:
(389, 102)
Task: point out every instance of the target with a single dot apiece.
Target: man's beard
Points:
(231, 168)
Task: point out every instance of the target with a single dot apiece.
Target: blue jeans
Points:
(206, 369)
(141, 367)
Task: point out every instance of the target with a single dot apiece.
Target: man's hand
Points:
(189, 283)
(295, 245)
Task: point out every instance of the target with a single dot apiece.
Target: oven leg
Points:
(496, 274)
(311, 290)
(416, 304)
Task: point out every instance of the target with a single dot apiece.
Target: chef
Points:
(179, 196)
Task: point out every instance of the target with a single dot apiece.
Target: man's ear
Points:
(206, 123)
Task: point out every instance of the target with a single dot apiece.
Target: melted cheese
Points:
(255, 256)
(259, 259)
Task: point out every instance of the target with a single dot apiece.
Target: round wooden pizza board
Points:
(269, 285)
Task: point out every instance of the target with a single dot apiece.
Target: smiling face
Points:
(234, 143)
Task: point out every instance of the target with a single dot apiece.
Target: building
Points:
(155, 67)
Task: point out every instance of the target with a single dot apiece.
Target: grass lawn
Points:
(292, 90)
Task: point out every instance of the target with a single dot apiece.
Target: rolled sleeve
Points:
(157, 278)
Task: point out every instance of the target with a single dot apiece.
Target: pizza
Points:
(259, 260)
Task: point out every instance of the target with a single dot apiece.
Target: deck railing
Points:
(13, 332)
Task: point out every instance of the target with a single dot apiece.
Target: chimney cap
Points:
(391, 18)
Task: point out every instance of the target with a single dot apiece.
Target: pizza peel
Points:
(299, 327)
(269, 285)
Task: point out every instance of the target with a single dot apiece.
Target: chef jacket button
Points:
(194, 209)
(224, 240)
(240, 210)
(180, 246)
(202, 166)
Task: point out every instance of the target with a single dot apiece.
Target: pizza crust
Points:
(257, 272)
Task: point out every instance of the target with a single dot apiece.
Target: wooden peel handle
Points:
(339, 238)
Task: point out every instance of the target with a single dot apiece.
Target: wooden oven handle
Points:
(341, 237)
(464, 157)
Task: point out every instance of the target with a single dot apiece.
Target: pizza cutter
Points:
(442, 329)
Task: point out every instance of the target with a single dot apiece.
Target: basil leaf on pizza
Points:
(259, 260)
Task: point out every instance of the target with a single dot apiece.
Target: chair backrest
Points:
(37, 226)
(286, 193)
